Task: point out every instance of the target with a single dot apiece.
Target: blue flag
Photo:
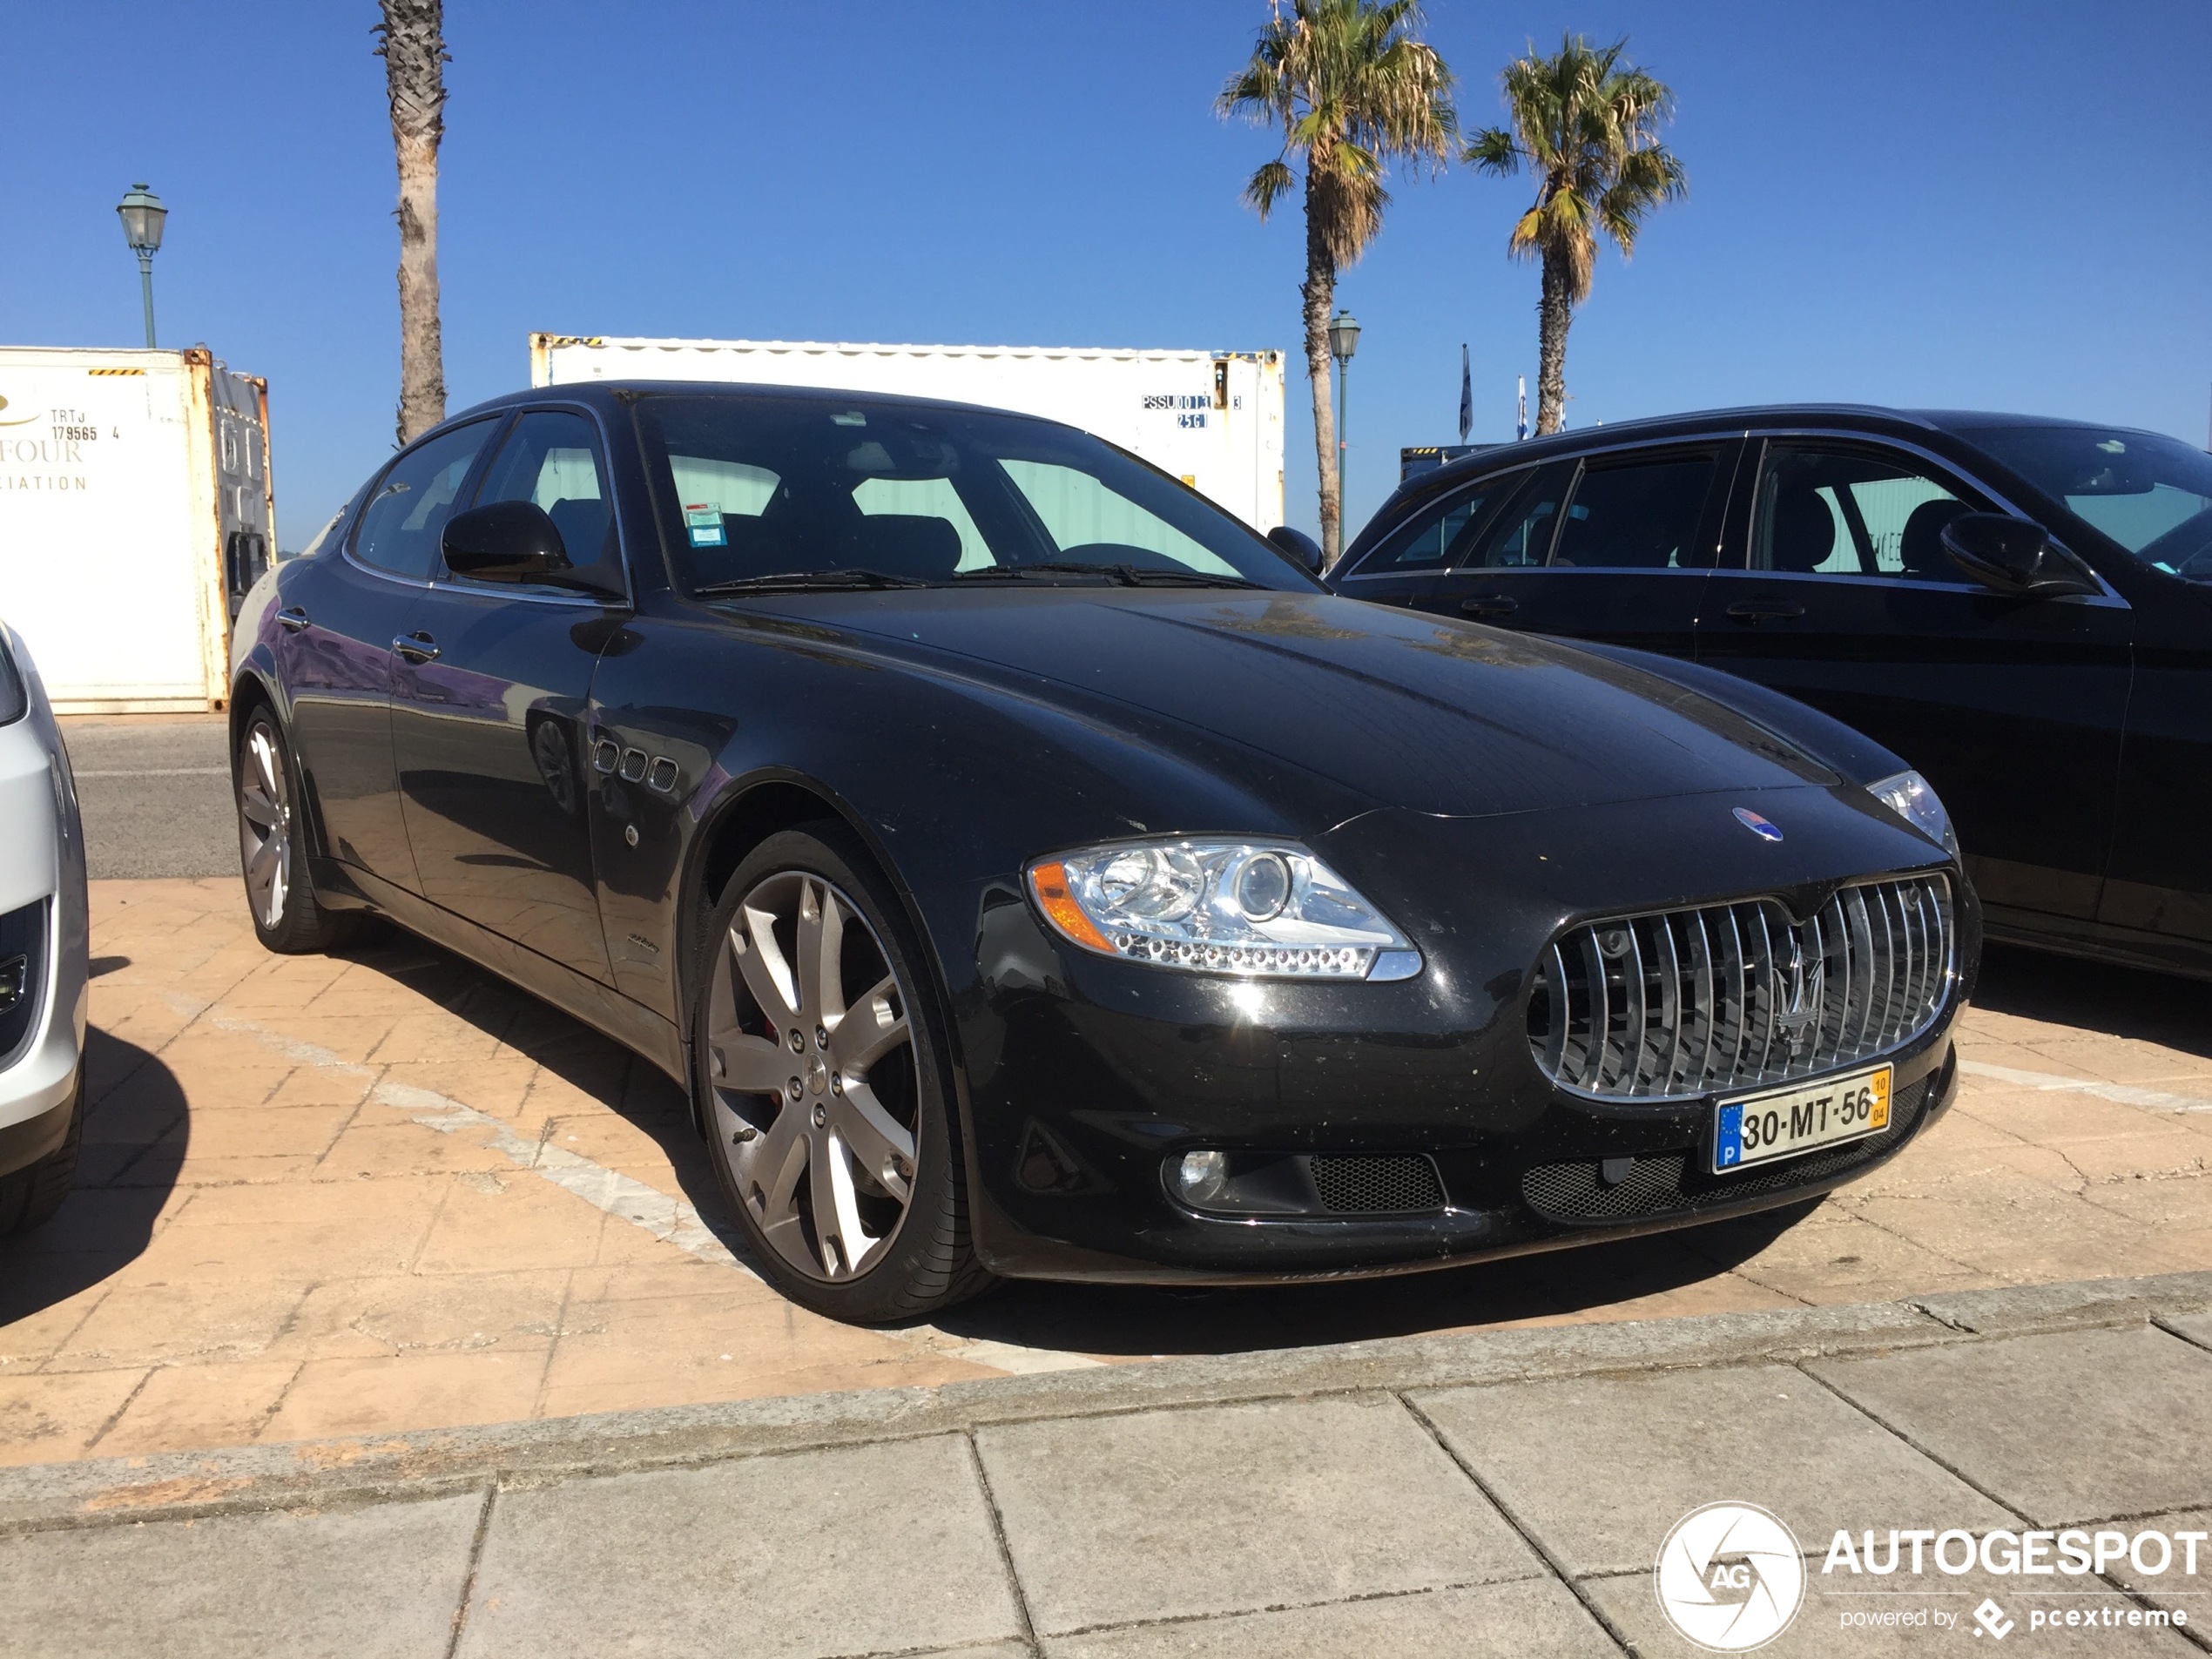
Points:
(1466, 396)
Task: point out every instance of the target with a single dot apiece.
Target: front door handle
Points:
(1762, 609)
(417, 647)
(292, 619)
(1490, 604)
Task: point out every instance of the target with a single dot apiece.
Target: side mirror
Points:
(513, 541)
(2013, 556)
(1304, 550)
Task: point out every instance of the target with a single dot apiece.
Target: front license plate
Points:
(1783, 1122)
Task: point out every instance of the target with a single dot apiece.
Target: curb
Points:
(394, 1467)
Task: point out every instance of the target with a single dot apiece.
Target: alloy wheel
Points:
(265, 826)
(811, 1059)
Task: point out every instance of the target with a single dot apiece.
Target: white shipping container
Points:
(1212, 419)
(136, 509)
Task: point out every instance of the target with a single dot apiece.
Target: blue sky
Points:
(1952, 203)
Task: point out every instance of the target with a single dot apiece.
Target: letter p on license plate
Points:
(1759, 1128)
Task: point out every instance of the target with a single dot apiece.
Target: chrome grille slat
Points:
(1676, 1004)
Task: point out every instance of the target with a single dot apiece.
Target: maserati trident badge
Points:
(1758, 826)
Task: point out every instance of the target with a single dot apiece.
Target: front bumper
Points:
(44, 923)
(1085, 1077)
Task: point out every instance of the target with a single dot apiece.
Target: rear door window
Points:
(1520, 536)
(1640, 514)
(1430, 539)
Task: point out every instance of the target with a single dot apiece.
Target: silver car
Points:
(45, 938)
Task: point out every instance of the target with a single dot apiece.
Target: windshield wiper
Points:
(807, 581)
(1128, 576)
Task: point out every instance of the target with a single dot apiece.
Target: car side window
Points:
(400, 527)
(1521, 534)
(1638, 515)
(551, 458)
(1427, 540)
(1829, 509)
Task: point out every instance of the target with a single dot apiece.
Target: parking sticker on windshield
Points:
(703, 522)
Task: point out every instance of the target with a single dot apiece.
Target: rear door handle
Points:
(1490, 604)
(1761, 610)
(292, 619)
(416, 647)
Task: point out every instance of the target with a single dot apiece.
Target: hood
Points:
(1400, 708)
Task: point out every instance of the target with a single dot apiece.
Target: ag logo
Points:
(1729, 1577)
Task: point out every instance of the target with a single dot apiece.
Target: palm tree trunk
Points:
(414, 58)
(1553, 312)
(1319, 293)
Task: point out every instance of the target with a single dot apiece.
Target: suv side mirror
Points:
(1304, 550)
(2013, 556)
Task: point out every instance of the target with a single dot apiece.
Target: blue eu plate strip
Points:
(1730, 1149)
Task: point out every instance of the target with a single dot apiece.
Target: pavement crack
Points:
(1029, 1632)
(476, 1560)
(1543, 1552)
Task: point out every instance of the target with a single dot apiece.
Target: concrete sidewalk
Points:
(1500, 1492)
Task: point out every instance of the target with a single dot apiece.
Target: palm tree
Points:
(414, 51)
(1587, 125)
(1351, 88)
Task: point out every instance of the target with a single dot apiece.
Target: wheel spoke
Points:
(837, 1217)
(267, 858)
(880, 1144)
(748, 1065)
(775, 1168)
(821, 953)
(265, 763)
(869, 1030)
(257, 807)
(760, 960)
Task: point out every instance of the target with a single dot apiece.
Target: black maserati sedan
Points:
(1031, 871)
(2019, 607)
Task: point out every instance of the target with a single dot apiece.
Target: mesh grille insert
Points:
(1675, 1004)
(1376, 1185)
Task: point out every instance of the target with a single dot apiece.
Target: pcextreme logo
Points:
(1729, 1577)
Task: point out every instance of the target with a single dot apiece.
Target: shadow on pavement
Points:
(1108, 1319)
(2097, 997)
(137, 1126)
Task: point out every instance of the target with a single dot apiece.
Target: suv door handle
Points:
(1760, 608)
(1489, 604)
(417, 647)
(292, 619)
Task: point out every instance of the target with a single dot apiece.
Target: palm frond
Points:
(1268, 185)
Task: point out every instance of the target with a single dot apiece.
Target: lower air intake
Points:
(1371, 1186)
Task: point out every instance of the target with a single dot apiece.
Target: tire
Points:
(288, 918)
(31, 1196)
(836, 1142)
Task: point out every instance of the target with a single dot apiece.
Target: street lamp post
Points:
(1343, 339)
(142, 213)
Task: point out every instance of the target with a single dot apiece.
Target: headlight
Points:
(1258, 909)
(1908, 795)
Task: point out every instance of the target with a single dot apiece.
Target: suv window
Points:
(1432, 536)
(400, 527)
(1637, 515)
(551, 458)
(1831, 510)
(1521, 534)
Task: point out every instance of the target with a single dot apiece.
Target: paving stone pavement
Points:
(385, 1192)
(1492, 1493)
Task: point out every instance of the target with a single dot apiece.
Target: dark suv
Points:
(2021, 608)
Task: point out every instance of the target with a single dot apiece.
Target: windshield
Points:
(765, 491)
(2150, 494)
